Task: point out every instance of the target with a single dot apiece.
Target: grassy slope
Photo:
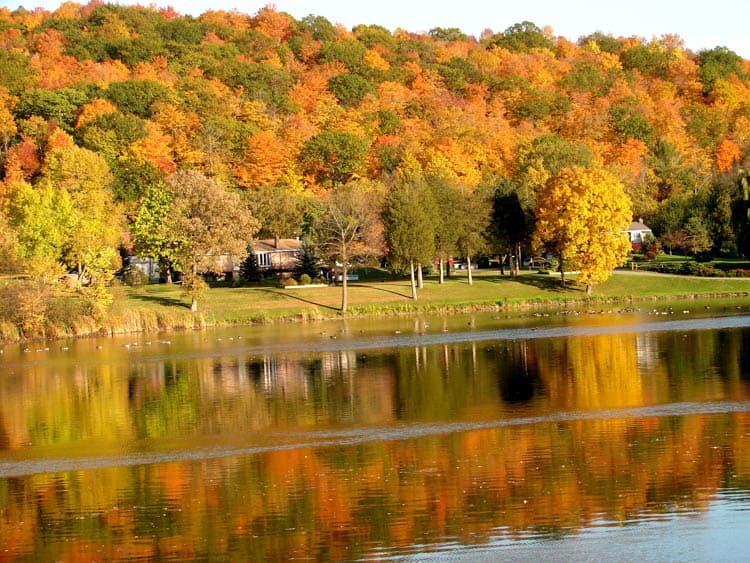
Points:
(164, 307)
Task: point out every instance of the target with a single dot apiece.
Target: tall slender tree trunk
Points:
(420, 278)
(589, 287)
(413, 281)
(501, 259)
(468, 269)
(442, 270)
(344, 285)
(194, 298)
(519, 259)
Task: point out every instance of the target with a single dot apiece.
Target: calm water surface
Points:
(581, 435)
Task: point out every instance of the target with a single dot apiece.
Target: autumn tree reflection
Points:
(526, 473)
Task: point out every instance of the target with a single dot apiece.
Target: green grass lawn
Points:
(165, 306)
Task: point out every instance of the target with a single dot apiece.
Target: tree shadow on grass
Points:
(166, 301)
(540, 281)
(383, 289)
(286, 293)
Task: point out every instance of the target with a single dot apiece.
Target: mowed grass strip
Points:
(243, 305)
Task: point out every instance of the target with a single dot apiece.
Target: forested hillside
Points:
(99, 103)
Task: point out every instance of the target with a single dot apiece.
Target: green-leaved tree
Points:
(409, 217)
(204, 222)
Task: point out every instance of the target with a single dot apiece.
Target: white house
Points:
(637, 232)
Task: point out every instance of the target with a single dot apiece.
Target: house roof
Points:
(638, 226)
(284, 245)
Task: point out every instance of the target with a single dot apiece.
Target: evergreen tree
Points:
(307, 261)
(249, 268)
(741, 214)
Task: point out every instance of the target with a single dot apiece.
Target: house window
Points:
(264, 259)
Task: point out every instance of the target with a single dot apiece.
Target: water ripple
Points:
(531, 333)
(282, 441)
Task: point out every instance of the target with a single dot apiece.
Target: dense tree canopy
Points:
(272, 106)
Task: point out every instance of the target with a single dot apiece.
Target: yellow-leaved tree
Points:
(581, 217)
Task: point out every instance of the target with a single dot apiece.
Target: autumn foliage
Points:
(264, 100)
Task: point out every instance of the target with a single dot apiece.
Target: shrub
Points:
(134, 276)
(289, 282)
(25, 305)
(700, 269)
(663, 267)
(304, 279)
(650, 247)
(65, 310)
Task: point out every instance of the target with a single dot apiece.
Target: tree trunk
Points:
(468, 269)
(344, 285)
(194, 298)
(562, 270)
(589, 287)
(420, 278)
(442, 270)
(501, 259)
(166, 268)
(413, 281)
(518, 261)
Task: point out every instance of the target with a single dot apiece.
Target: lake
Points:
(616, 433)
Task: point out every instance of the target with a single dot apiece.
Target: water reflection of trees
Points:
(592, 373)
(345, 502)
(107, 405)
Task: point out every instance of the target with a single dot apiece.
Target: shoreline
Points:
(145, 322)
(161, 308)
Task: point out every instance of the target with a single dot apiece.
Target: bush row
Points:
(694, 269)
(31, 310)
